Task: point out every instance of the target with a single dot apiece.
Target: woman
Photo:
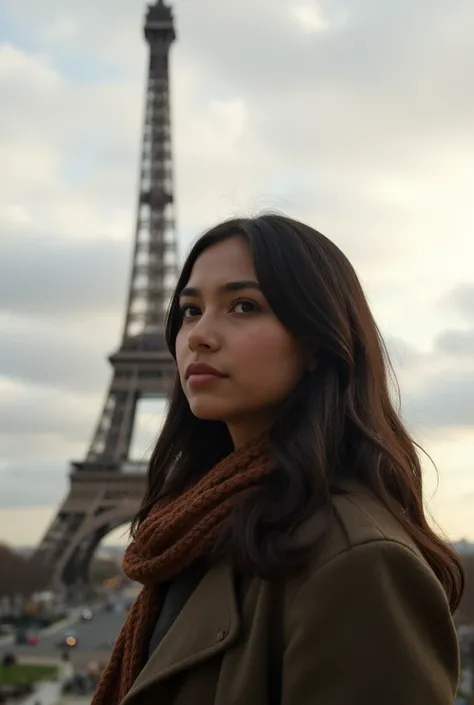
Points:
(282, 543)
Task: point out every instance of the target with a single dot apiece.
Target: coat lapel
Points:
(208, 624)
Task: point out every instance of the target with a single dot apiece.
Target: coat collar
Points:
(207, 625)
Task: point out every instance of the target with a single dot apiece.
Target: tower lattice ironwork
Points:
(106, 488)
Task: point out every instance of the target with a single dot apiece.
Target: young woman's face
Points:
(227, 324)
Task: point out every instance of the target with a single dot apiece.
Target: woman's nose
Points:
(203, 335)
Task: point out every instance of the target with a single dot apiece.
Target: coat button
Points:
(222, 634)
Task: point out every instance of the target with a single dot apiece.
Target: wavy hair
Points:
(338, 423)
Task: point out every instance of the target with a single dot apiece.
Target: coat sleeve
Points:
(371, 626)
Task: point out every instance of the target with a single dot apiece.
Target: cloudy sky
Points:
(355, 115)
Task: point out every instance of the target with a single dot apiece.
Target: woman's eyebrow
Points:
(229, 286)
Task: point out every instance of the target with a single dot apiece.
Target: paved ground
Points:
(95, 639)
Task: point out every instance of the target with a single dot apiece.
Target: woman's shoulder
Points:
(368, 610)
(362, 546)
(357, 518)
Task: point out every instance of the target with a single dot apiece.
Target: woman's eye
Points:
(244, 306)
(189, 311)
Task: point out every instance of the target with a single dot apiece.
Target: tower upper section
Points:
(159, 27)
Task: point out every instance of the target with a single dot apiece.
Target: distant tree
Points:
(20, 575)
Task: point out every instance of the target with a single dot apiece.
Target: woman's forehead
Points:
(225, 261)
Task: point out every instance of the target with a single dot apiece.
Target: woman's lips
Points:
(204, 379)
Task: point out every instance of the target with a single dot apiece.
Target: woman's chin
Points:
(208, 411)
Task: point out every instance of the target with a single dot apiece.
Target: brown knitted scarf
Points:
(175, 533)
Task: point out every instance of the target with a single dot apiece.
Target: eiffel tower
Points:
(106, 488)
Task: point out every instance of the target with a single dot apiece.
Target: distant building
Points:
(463, 547)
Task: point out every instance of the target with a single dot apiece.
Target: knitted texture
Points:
(175, 533)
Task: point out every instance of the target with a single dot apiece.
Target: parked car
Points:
(32, 639)
(26, 637)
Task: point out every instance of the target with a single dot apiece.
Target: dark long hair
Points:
(338, 423)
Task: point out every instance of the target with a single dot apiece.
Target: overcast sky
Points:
(355, 115)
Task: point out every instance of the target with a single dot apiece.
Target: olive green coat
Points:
(367, 623)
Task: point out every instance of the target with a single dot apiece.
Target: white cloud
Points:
(62, 169)
(309, 17)
(54, 416)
